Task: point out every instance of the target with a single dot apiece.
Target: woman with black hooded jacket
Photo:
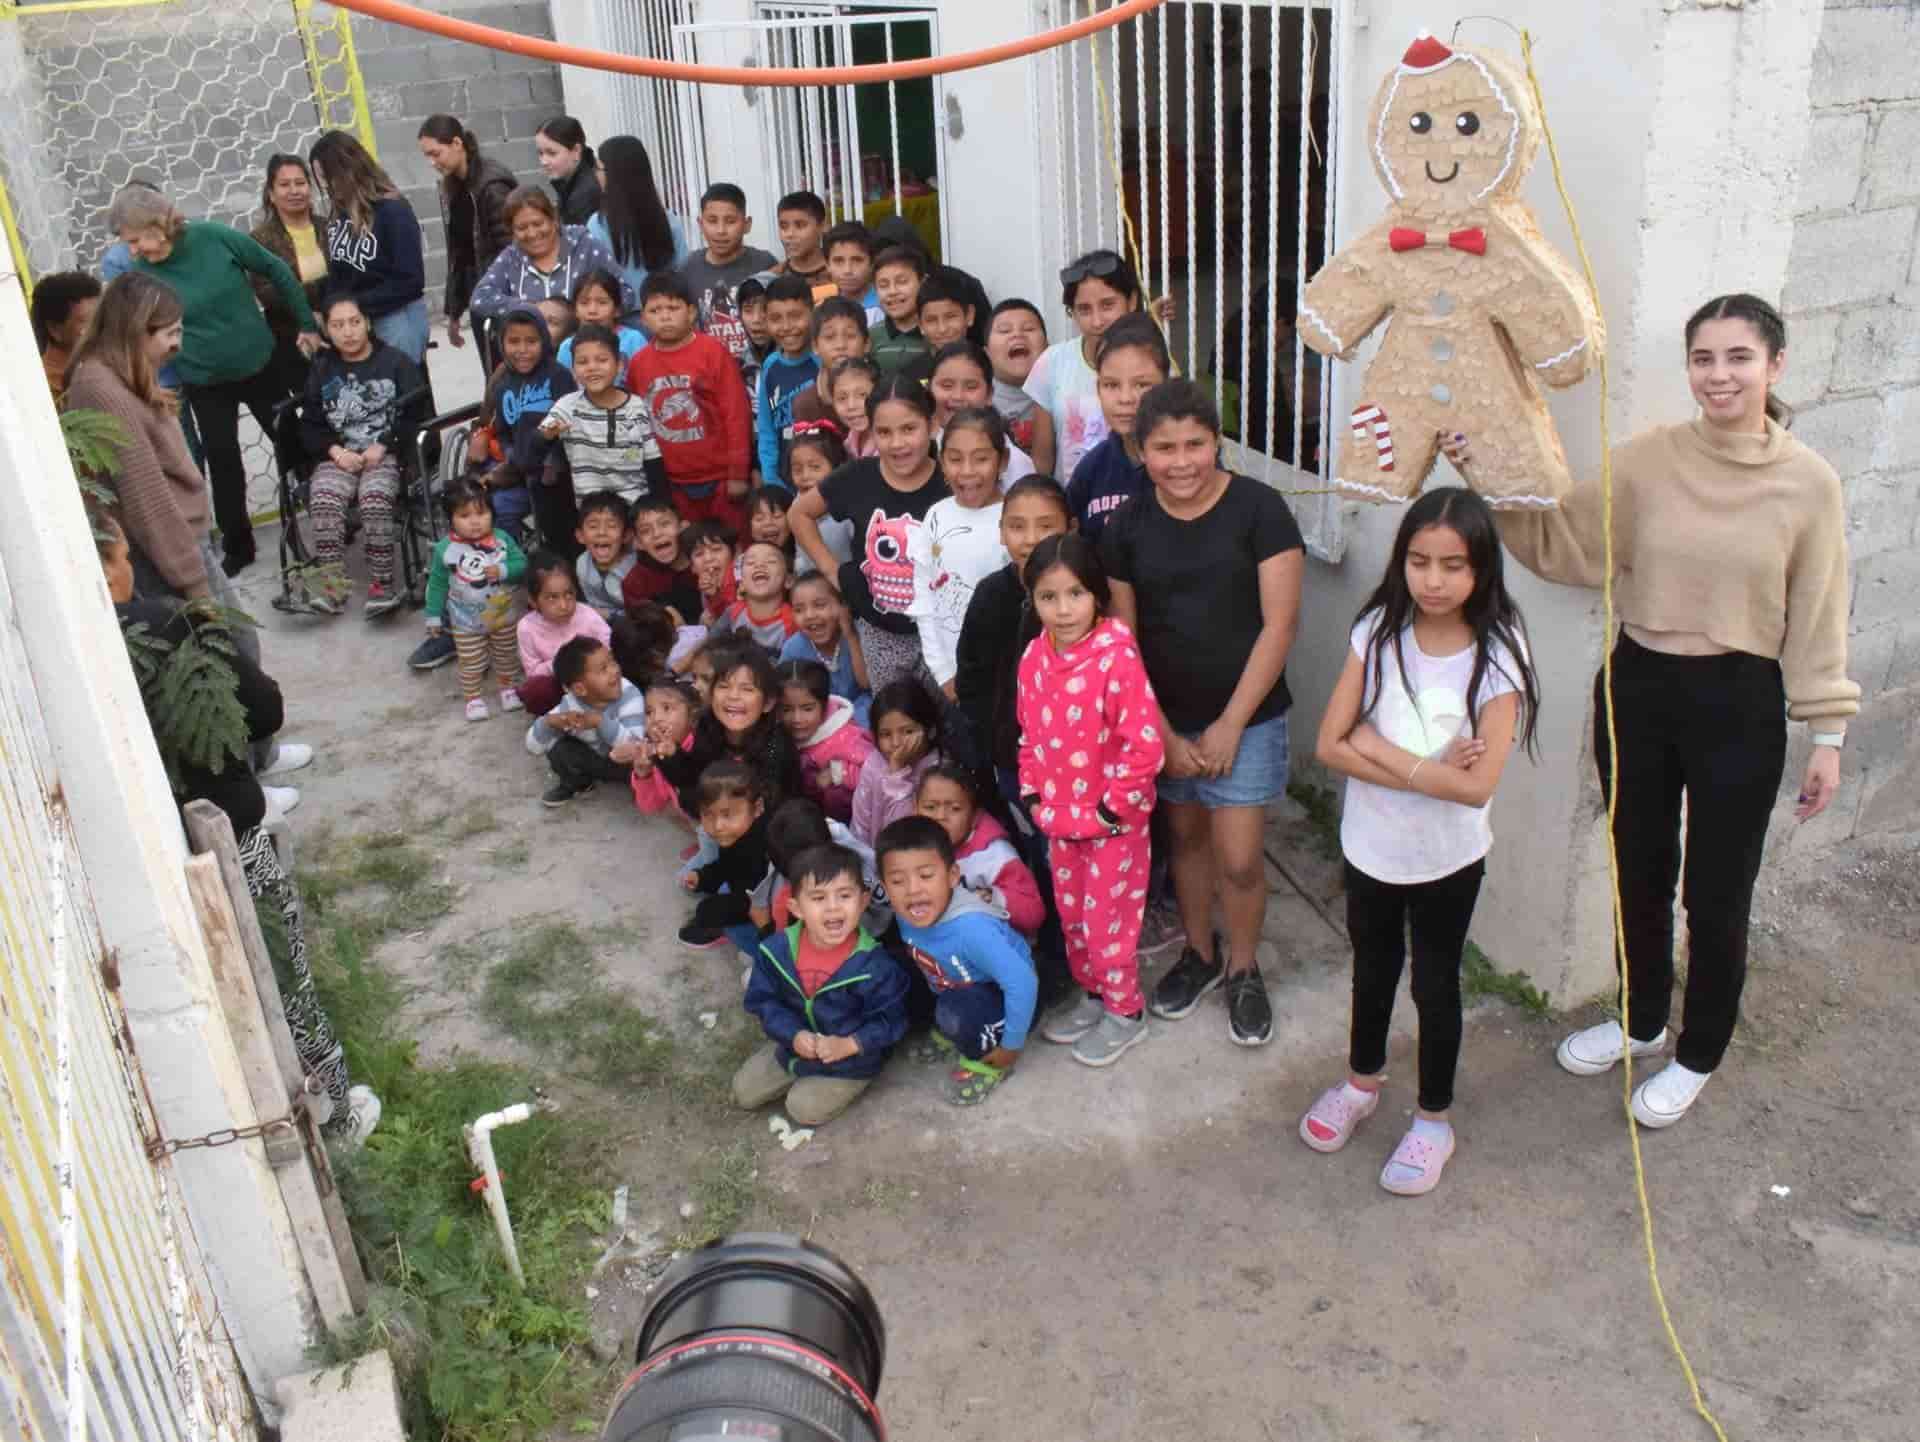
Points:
(473, 210)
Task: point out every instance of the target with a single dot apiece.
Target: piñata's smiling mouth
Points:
(1442, 179)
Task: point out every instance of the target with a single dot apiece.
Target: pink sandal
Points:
(1415, 1166)
(1331, 1120)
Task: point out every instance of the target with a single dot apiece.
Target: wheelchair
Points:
(411, 443)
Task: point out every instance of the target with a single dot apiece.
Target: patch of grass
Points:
(479, 1358)
(725, 1191)
(1480, 978)
(887, 1194)
(509, 855)
(548, 991)
(1322, 806)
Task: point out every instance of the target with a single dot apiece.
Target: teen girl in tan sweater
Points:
(1730, 579)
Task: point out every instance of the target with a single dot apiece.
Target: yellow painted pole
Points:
(14, 243)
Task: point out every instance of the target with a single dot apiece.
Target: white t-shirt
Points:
(1063, 382)
(1401, 837)
(953, 550)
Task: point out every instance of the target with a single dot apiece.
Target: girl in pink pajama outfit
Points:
(1090, 748)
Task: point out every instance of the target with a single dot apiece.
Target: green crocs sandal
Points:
(972, 1082)
(931, 1048)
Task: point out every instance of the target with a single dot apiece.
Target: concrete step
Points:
(358, 1401)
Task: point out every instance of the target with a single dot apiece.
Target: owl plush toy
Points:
(1482, 309)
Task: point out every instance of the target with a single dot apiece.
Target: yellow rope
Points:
(1613, 753)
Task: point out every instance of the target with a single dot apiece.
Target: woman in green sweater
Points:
(226, 356)
(1730, 579)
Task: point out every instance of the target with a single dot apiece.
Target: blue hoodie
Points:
(865, 999)
(973, 942)
(383, 267)
(519, 403)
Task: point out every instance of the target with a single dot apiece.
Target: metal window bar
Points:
(1181, 91)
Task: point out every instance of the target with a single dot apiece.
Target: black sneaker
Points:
(1182, 989)
(1249, 1013)
(436, 650)
(702, 938)
(560, 793)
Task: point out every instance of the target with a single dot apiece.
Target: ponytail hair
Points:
(1767, 321)
(447, 130)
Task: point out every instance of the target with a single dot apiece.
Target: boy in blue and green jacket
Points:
(831, 999)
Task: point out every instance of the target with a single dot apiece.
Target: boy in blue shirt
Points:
(790, 369)
(978, 966)
(831, 1000)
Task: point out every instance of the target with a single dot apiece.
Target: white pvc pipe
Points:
(480, 1148)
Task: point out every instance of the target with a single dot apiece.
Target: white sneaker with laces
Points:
(510, 700)
(476, 709)
(1663, 1098)
(363, 1107)
(1597, 1049)
(280, 799)
(287, 756)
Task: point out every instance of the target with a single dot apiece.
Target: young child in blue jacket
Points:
(978, 966)
(831, 999)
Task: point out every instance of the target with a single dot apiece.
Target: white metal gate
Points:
(655, 110)
(812, 138)
(105, 1315)
(1201, 140)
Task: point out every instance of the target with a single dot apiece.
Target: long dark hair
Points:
(1764, 319)
(353, 179)
(449, 130)
(637, 223)
(1080, 558)
(1489, 611)
(276, 163)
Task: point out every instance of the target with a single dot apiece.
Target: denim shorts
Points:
(1259, 772)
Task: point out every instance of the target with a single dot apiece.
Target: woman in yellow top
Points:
(1730, 579)
(287, 228)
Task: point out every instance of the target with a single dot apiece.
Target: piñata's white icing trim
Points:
(1551, 361)
(1328, 331)
(1499, 94)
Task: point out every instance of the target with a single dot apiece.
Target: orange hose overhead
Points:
(398, 13)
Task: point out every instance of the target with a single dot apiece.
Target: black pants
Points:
(216, 410)
(579, 765)
(973, 1018)
(557, 515)
(1380, 917)
(1712, 728)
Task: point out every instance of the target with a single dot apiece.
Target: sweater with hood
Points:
(973, 943)
(516, 404)
(885, 794)
(988, 862)
(382, 265)
(833, 759)
(1090, 741)
(865, 999)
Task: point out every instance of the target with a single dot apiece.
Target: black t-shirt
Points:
(878, 582)
(1196, 587)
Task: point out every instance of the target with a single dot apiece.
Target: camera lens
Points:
(756, 1335)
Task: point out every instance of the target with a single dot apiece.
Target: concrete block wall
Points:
(503, 99)
(1852, 302)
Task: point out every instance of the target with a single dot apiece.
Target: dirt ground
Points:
(1150, 1251)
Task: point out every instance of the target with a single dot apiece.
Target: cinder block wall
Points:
(503, 98)
(1853, 314)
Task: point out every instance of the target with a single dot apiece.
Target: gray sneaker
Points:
(1110, 1036)
(1075, 1020)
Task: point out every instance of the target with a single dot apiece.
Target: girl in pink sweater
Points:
(1090, 747)
(554, 617)
(906, 733)
(834, 747)
(989, 866)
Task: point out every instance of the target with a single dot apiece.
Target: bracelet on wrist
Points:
(1835, 739)
(1416, 770)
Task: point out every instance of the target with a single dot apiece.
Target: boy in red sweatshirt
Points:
(698, 402)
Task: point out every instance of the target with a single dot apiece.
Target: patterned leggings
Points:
(475, 649)
(1101, 888)
(891, 657)
(321, 1055)
(333, 491)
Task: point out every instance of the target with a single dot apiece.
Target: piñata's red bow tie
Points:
(1475, 241)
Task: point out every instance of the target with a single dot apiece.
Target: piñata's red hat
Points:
(1426, 53)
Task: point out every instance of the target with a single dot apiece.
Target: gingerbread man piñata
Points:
(1483, 309)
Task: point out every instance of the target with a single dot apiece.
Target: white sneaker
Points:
(510, 700)
(287, 756)
(1663, 1098)
(280, 799)
(476, 709)
(1597, 1049)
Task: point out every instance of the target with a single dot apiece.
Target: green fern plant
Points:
(188, 683)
